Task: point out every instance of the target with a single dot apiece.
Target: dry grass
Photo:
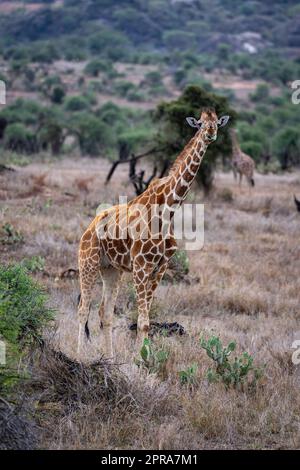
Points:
(248, 291)
(17, 431)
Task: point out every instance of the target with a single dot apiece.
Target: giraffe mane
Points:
(182, 155)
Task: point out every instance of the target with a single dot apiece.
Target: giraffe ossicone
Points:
(108, 249)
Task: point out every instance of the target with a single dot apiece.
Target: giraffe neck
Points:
(235, 144)
(185, 168)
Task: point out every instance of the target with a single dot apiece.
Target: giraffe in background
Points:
(110, 246)
(242, 164)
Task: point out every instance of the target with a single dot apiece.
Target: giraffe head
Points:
(208, 124)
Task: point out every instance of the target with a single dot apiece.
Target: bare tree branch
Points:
(130, 160)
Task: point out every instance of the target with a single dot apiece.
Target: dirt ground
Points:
(248, 291)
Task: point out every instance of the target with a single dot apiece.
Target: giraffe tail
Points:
(86, 326)
(87, 330)
(252, 182)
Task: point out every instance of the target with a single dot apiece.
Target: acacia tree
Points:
(174, 133)
(93, 135)
(18, 138)
(287, 147)
(53, 130)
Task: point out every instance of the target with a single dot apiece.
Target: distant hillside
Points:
(93, 69)
(197, 25)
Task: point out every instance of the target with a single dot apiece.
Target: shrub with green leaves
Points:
(34, 264)
(152, 358)
(23, 307)
(179, 266)
(233, 373)
(96, 66)
(76, 103)
(188, 375)
(23, 315)
(181, 258)
(9, 235)
(19, 138)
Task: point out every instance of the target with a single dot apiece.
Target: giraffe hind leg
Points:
(86, 326)
(88, 275)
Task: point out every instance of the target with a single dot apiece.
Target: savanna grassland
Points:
(243, 286)
(89, 82)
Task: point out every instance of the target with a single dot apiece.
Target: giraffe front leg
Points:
(111, 283)
(141, 279)
(145, 288)
(143, 322)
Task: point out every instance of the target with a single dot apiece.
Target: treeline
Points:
(205, 31)
(269, 132)
(29, 127)
(155, 18)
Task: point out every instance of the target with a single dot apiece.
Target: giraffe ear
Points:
(223, 121)
(193, 122)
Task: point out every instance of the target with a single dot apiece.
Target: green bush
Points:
(153, 78)
(34, 264)
(180, 262)
(123, 87)
(179, 40)
(254, 149)
(52, 133)
(93, 134)
(18, 138)
(152, 358)
(188, 375)
(232, 373)
(76, 103)
(23, 309)
(94, 67)
(287, 146)
(9, 235)
(226, 195)
(136, 95)
(261, 93)
(22, 111)
(45, 53)
(23, 315)
(58, 94)
(134, 138)
(109, 43)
